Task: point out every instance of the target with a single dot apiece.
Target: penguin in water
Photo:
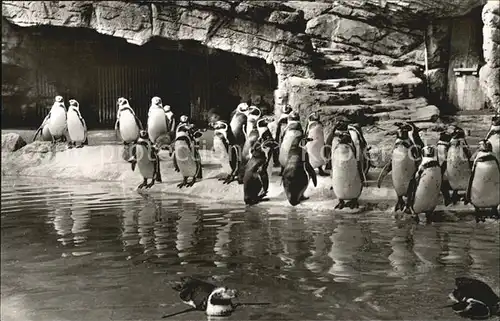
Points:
(362, 148)
(443, 145)
(424, 187)
(238, 121)
(292, 130)
(494, 136)
(298, 171)
(251, 136)
(483, 190)
(474, 299)
(332, 139)
(404, 162)
(458, 164)
(256, 178)
(204, 296)
(281, 123)
(77, 129)
(226, 150)
(146, 158)
(314, 130)
(157, 120)
(127, 123)
(186, 158)
(57, 120)
(43, 130)
(347, 173)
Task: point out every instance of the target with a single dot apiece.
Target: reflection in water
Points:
(63, 223)
(221, 246)
(186, 228)
(81, 218)
(295, 241)
(403, 259)
(145, 222)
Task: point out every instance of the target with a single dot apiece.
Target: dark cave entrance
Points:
(96, 69)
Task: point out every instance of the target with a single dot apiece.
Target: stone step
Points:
(336, 97)
(330, 51)
(337, 83)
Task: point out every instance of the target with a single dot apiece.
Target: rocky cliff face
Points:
(353, 57)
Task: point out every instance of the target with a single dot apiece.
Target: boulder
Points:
(12, 142)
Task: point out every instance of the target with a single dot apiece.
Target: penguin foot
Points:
(455, 198)
(428, 217)
(353, 204)
(321, 172)
(400, 204)
(466, 201)
(191, 183)
(340, 205)
(150, 184)
(303, 198)
(182, 184)
(79, 146)
(494, 213)
(416, 218)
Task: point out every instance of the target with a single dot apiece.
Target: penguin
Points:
(314, 130)
(347, 172)
(483, 190)
(298, 170)
(256, 178)
(361, 147)
(238, 121)
(474, 299)
(292, 130)
(280, 127)
(266, 135)
(186, 158)
(57, 120)
(183, 121)
(458, 164)
(494, 136)
(425, 185)
(251, 136)
(170, 120)
(127, 123)
(253, 114)
(415, 136)
(226, 151)
(443, 145)
(204, 296)
(404, 162)
(332, 139)
(43, 130)
(157, 120)
(77, 129)
(146, 158)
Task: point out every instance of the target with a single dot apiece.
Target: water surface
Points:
(80, 251)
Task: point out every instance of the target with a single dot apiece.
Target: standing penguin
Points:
(183, 121)
(483, 190)
(361, 147)
(292, 130)
(57, 119)
(186, 158)
(443, 145)
(424, 187)
(297, 171)
(347, 173)
(226, 151)
(265, 135)
(77, 129)
(280, 127)
(157, 120)
(494, 135)
(458, 164)
(127, 123)
(170, 120)
(256, 178)
(332, 139)
(415, 136)
(404, 162)
(238, 121)
(314, 130)
(251, 136)
(146, 158)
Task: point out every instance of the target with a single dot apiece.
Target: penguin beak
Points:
(230, 294)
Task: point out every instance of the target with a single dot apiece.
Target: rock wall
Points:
(489, 74)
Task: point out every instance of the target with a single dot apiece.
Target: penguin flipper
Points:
(310, 170)
(158, 172)
(469, 185)
(37, 132)
(234, 159)
(386, 170)
(361, 172)
(410, 193)
(138, 122)
(174, 160)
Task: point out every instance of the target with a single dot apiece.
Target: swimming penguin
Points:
(127, 123)
(298, 170)
(458, 164)
(57, 119)
(226, 151)
(170, 119)
(424, 187)
(43, 130)
(238, 121)
(256, 178)
(314, 130)
(347, 172)
(204, 296)
(332, 139)
(186, 158)
(147, 160)
(474, 299)
(281, 123)
(157, 120)
(443, 145)
(361, 147)
(494, 135)
(483, 190)
(77, 129)
(404, 162)
(292, 130)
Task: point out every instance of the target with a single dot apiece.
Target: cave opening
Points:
(96, 69)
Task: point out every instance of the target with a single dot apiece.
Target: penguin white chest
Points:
(129, 131)
(144, 162)
(485, 187)
(403, 168)
(346, 180)
(495, 145)
(185, 158)
(458, 169)
(57, 121)
(76, 130)
(427, 190)
(316, 146)
(221, 154)
(286, 144)
(157, 124)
